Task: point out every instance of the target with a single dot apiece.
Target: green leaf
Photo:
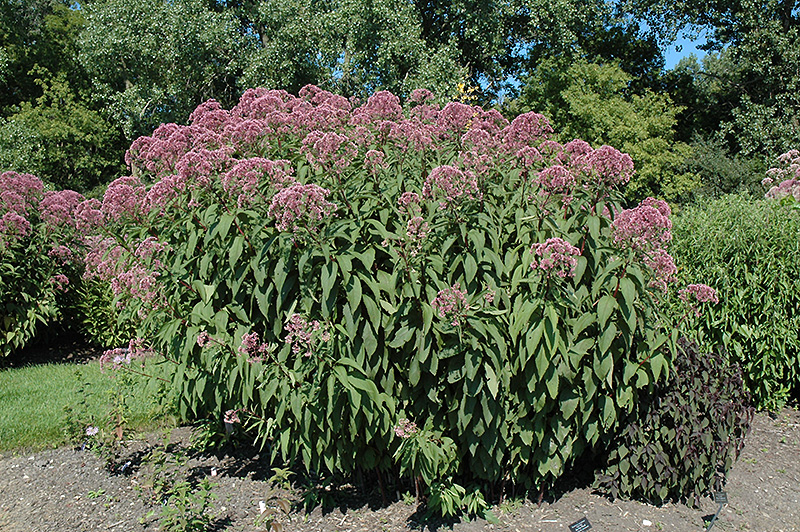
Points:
(470, 268)
(236, 250)
(605, 307)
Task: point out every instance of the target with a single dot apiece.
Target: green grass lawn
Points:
(33, 403)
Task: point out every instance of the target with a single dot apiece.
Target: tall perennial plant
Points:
(336, 272)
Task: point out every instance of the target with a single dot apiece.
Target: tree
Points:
(58, 137)
(761, 44)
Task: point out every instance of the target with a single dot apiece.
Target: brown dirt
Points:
(73, 490)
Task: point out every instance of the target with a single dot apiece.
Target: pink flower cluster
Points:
(557, 257)
(123, 198)
(787, 174)
(450, 185)
(644, 227)
(408, 202)
(19, 195)
(251, 347)
(300, 206)
(231, 417)
(243, 180)
(203, 339)
(695, 294)
(405, 428)
(374, 160)
(329, 151)
(57, 209)
(647, 230)
(123, 356)
(303, 335)
(451, 304)
(19, 192)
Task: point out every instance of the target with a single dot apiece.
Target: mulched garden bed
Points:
(68, 489)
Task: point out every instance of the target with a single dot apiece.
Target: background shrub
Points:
(39, 255)
(681, 440)
(747, 249)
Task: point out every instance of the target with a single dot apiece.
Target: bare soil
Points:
(75, 490)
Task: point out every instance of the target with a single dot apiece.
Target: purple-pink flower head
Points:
(60, 282)
(408, 202)
(247, 135)
(382, 105)
(300, 206)
(405, 428)
(663, 266)
(451, 304)
(199, 165)
(329, 150)
(645, 227)
(18, 192)
(456, 117)
(421, 95)
(610, 166)
(13, 225)
(529, 157)
(123, 198)
(556, 180)
(528, 129)
(557, 257)
(374, 161)
(448, 184)
(166, 190)
(243, 180)
(231, 417)
(209, 115)
(58, 208)
(88, 215)
(252, 345)
(303, 335)
(700, 293)
(203, 339)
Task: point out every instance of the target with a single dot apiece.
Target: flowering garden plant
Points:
(41, 243)
(321, 266)
(324, 268)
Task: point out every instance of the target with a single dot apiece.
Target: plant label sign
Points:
(580, 526)
(721, 497)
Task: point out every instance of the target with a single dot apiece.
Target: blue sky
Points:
(672, 56)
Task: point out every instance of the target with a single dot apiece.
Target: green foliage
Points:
(59, 137)
(593, 102)
(186, 508)
(681, 440)
(99, 320)
(747, 249)
(758, 84)
(27, 298)
(721, 172)
(528, 373)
